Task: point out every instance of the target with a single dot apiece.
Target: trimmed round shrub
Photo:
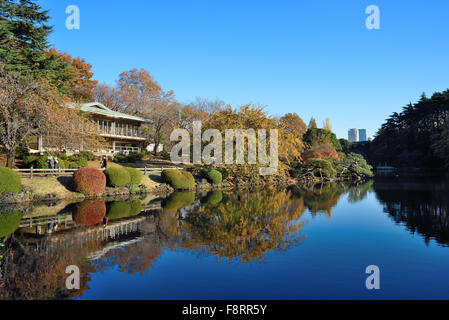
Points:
(90, 212)
(89, 181)
(214, 197)
(224, 172)
(121, 209)
(179, 180)
(9, 181)
(136, 176)
(214, 177)
(118, 210)
(179, 200)
(9, 223)
(136, 208)
(117, 177)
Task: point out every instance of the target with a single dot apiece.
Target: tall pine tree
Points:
(24, 31)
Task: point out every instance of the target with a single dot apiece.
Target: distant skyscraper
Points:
(362, 135)
(353, 135)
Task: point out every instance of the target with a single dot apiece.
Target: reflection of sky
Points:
(328, 264)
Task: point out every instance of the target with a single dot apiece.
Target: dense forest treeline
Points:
(418, 136)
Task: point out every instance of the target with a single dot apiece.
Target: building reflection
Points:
(37, 244)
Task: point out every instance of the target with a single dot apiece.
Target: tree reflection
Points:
(320, 198)
(423, 207)
(359, 192)
(243, 226)
(29, 273)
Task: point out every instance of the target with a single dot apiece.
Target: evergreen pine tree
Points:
(23, 40)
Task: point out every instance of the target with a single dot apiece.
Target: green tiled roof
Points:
(98, 108)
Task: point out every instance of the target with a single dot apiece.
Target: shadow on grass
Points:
(67, 183)
(156, 178)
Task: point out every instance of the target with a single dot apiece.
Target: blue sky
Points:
(315, 58)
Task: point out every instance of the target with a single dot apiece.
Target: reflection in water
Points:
(319, 198)
(235, 227)
(242, 226)
(423, 206)
(90, 213)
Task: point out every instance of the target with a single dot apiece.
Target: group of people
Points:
(53, 162)
(104, 163)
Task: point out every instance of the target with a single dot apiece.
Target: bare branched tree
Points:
(31, 107)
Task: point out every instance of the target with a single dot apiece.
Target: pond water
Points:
(295, 243)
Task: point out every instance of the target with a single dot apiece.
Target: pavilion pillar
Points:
(40, 145)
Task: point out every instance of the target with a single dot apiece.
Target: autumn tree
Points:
(190, 114)
(140, 92)
(35, 108)
(312, 123)
(292, 129)
(208, 106)
(143, 96)
(199, 110)
(109, 96)
(255, 117)
(327, 124)
(79, 85)
(164, 118)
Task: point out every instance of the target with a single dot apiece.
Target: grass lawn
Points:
(43, 186)
(46, 185)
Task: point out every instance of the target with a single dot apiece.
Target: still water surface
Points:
(296, 243)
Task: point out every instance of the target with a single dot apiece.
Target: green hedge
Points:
(71, 163)
(37, 162)
(9, 222)
(132, 157)
(136, 176)
(117, 177)
(9, 181)
(89, 156)
(179, 180)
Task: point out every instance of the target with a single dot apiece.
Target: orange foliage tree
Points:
(320, 152)
(80, 82)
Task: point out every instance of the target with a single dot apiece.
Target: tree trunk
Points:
(11, 158)
(156, 145)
